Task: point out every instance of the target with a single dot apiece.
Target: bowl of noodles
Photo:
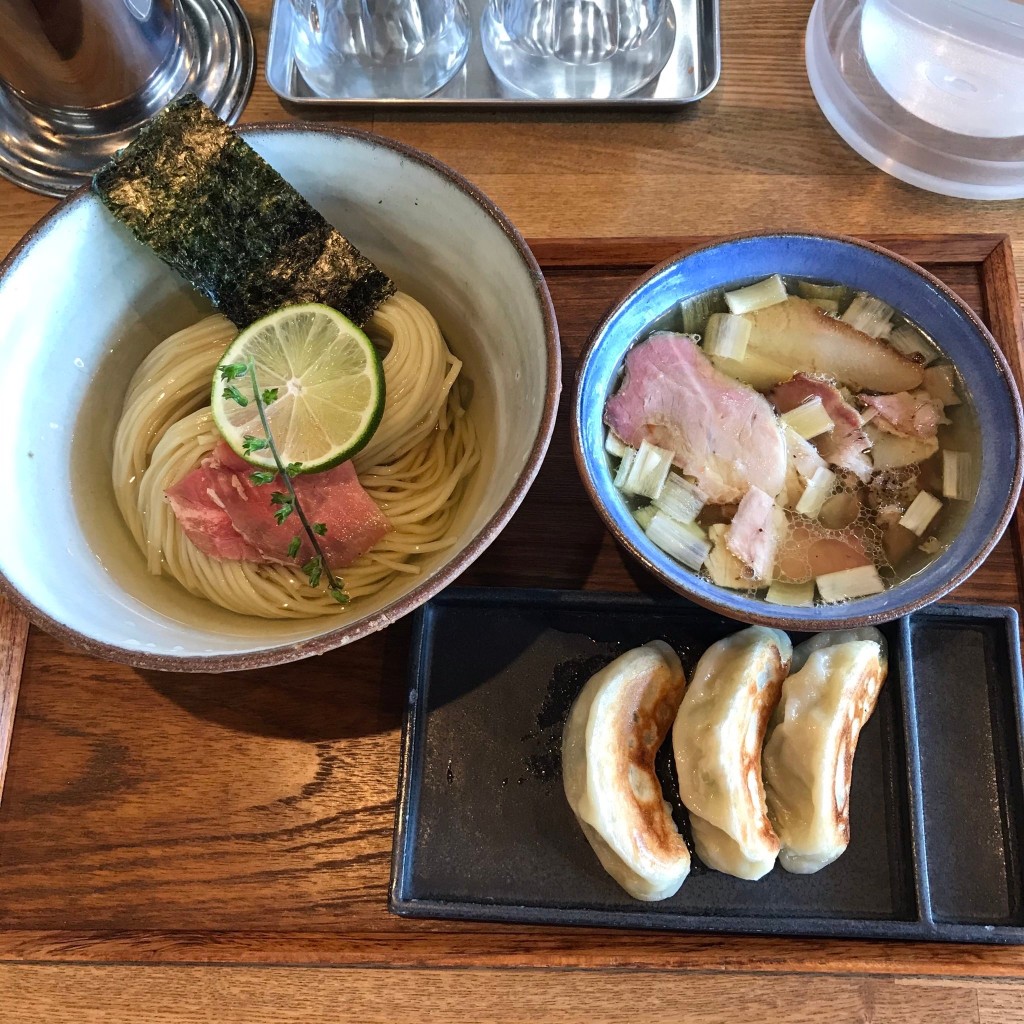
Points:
(108, 358)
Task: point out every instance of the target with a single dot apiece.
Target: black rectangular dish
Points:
(484, 831)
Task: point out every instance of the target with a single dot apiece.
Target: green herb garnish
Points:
(314, 569)
(232, 371)
(235, 395)
(252, 444)
(284, 502)
(285, 506)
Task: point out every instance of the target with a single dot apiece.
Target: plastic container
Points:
(930, 91)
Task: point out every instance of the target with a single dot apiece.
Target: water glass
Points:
(379, 48)
(577, 49)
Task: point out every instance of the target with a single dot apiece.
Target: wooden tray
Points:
(249, 818)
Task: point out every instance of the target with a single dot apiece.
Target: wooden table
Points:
(185, 849)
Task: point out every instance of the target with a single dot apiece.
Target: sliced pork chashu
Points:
(723, 433)
(796, 337)
(845, 445)
(755, 533)
(907, 414)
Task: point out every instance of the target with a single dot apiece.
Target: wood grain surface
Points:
(248, 818)
(165, 822)
(185, 995)
(13, 637)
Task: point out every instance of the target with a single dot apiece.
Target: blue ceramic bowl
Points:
(914, 292)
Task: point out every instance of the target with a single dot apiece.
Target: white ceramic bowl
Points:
(81, 303)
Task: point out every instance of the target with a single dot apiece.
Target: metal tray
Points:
(691, 72)
(483, 830)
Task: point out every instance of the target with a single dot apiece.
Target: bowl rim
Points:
(340, 635)
(780, 619)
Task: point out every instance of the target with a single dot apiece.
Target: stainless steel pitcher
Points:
(78, 78)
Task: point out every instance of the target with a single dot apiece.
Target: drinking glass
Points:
(931, 91)
(379, 48)
(577, 49)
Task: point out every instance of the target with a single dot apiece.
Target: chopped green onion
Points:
(644, 515)
(757, 296)
(614, 446)
(808, 419)
(957, 475)
(796, 595)
(831, 292)
(849, 583)
(815, 493)
(940, 383)
(680, 499)
(830, 306)
(869, 315)
(922, 511)
(647, 471)
(910, 342)
(685, 542)
(932, 546)
(726, 335)
(695, 311)
(804, 456)
(628, 457)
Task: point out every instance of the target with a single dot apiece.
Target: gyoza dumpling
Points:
(615, 728)
(812, 737)
(717, 742)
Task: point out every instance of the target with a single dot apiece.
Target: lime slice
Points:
(329, 388)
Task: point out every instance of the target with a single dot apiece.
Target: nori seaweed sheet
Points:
(211, 207)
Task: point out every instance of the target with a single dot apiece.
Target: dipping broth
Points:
(795, 440)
